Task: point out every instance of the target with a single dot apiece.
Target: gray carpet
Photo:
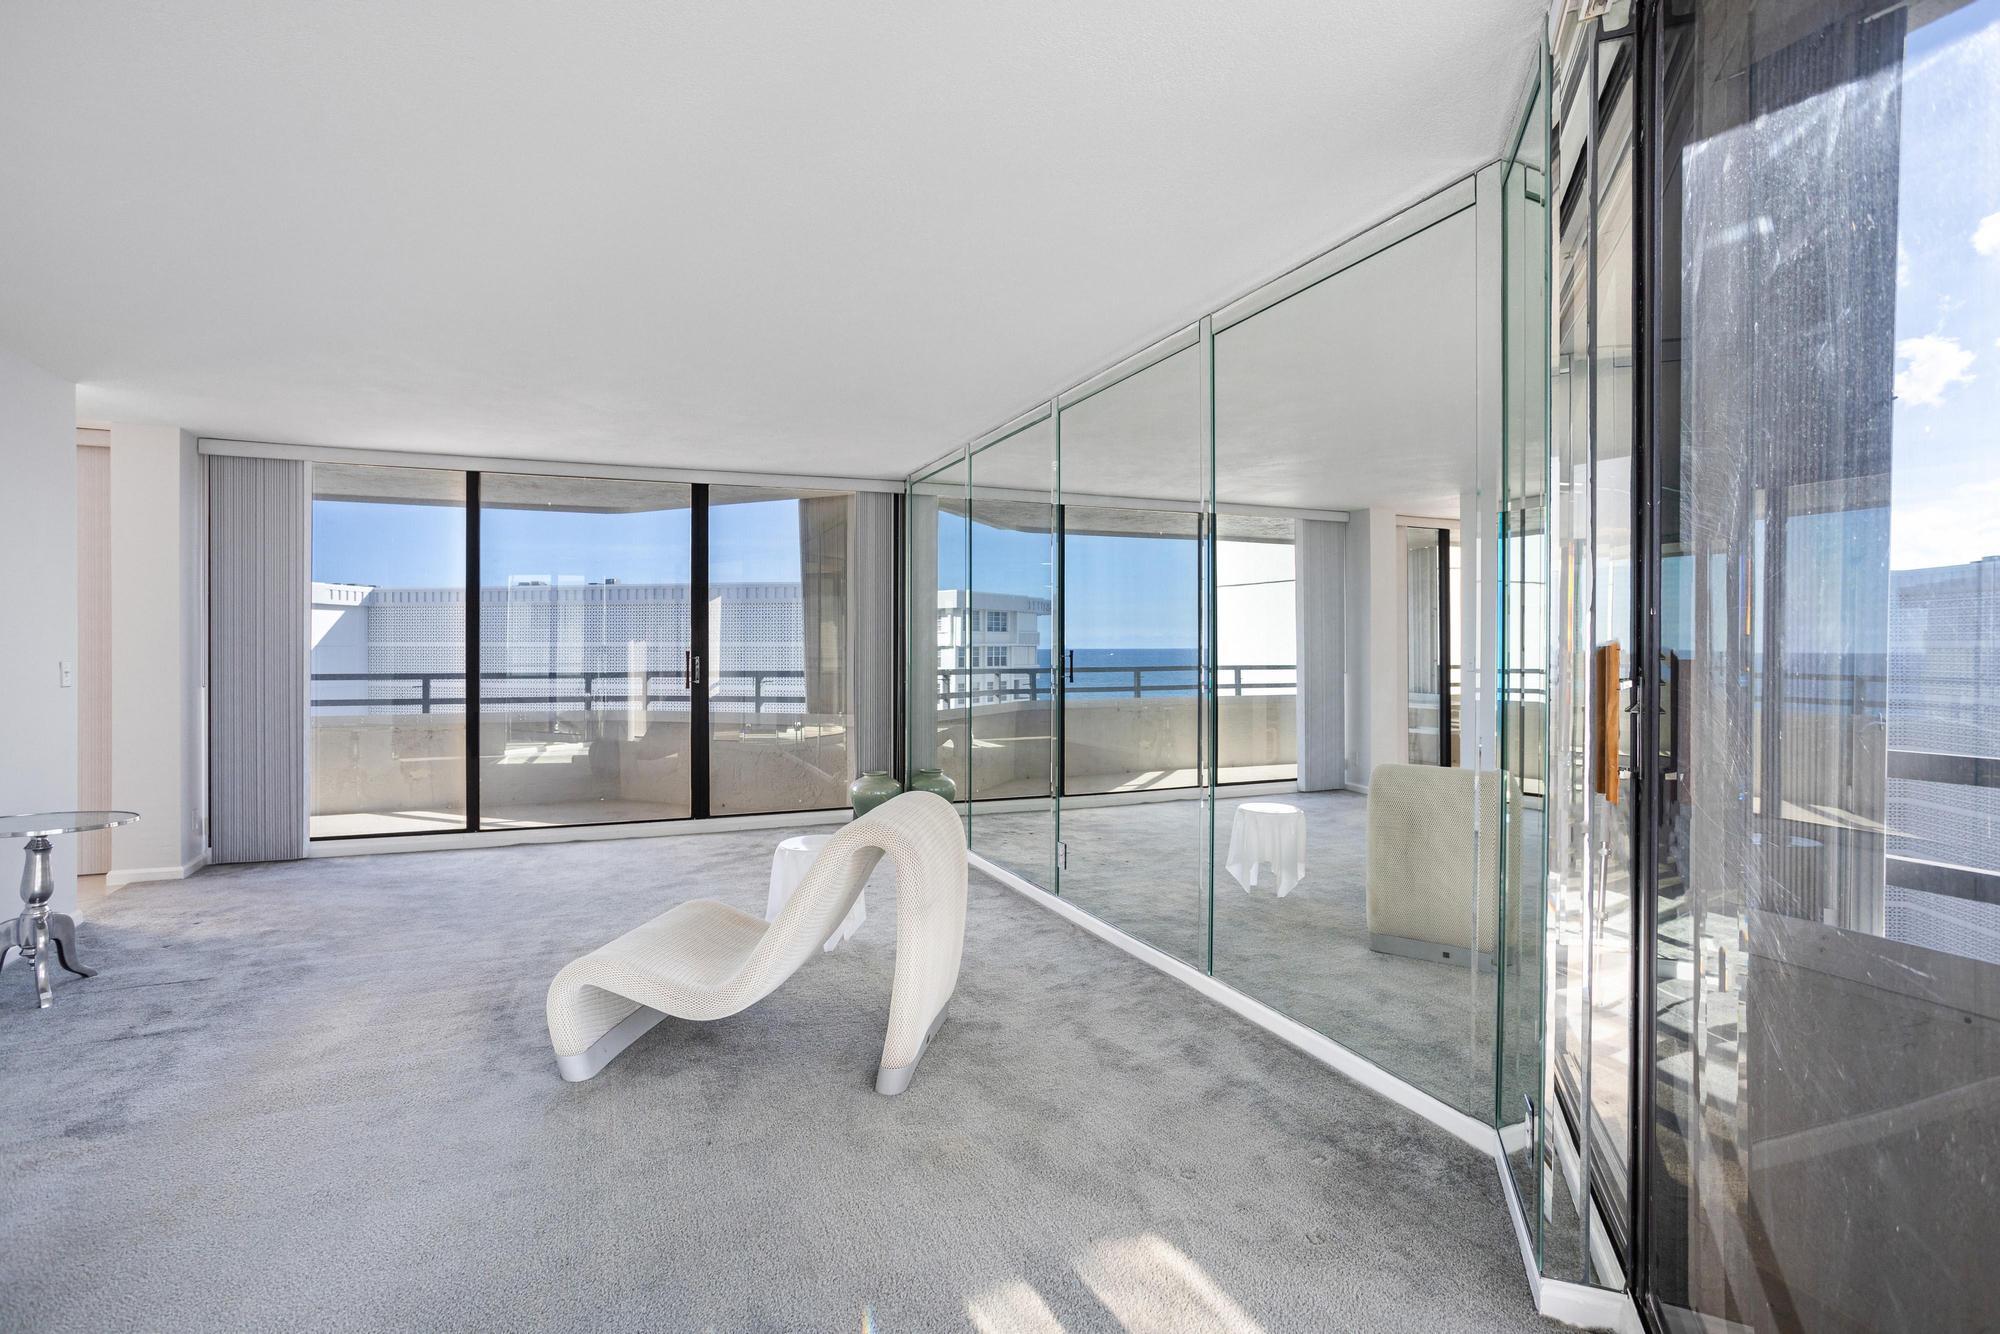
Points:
(1306, 955)
(320, 1095)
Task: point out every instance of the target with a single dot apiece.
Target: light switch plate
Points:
(65, 674)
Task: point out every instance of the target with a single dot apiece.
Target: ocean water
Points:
(1170, 671)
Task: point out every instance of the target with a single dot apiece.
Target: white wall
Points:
(1355, 626)
(157, 650)
(1388, 710)
(38, 627)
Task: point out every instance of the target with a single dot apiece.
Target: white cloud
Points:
(1936, 362)
(1986, 236)
(1902, 265)
(1950, 525)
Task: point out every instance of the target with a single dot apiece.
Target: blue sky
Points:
(1124, 592)
(423, 546)
(1945, 488)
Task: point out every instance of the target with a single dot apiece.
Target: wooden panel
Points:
(1604, 697)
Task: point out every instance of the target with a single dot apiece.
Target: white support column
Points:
(38, 547)
(1479, 570)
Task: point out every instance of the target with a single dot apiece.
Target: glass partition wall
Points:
(1136, 723)
(1521, 522)
(937, 553)
(1008, 676)
(1207, 744)
(1299, 715)
(1350, 408)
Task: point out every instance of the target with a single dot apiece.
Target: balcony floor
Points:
(320, 1094)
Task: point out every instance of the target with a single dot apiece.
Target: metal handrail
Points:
(427, 699)
(954, 685)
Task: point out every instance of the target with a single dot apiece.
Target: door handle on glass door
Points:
(1604, 688)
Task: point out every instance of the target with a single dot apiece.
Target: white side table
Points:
(1268, 833)
(789, 865)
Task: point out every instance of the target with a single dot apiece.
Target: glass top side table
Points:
(37, 929)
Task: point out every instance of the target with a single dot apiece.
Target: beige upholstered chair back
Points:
(1423, 886)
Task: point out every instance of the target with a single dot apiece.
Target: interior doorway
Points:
(93, 641)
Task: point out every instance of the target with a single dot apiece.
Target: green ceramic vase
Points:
(933, 780)
(871, 790)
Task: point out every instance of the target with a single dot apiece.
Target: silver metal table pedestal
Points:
(36, 929)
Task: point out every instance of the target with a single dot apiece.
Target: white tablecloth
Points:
(789, 865)
(1268, 833)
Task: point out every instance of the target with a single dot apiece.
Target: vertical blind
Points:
(260, 538)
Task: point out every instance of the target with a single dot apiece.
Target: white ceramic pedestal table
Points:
(789, 865)
(1268, 833)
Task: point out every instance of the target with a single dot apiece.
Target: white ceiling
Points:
(824, 239)
(1360, 391)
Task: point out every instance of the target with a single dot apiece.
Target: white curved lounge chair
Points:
(706, 960)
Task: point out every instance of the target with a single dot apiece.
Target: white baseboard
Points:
(1572, 1303)
(1580, 1304)
(1308, 1040)
(118, 879)
(1591, 1308)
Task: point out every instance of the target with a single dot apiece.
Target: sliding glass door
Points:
(1431, 670)
(1256, 648)
(388, 662)
(583, 650)
(636, 650)
(780, 710)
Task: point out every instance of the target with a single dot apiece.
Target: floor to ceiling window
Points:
(388, 700)
(1011, 685)
(1256, 648)
(583, 650)
(780, 713)
(645, 650)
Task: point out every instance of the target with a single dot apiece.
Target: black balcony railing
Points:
(426, 690)
(960, 685)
